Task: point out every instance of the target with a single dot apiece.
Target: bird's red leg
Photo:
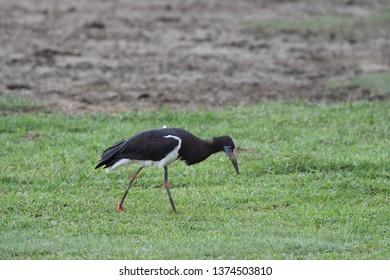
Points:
(132, 178)
(166, 186)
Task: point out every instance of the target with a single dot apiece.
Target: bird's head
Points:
(226, 144)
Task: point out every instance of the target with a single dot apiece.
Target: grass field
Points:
(378, 82)
(322, 23)
(314, 184)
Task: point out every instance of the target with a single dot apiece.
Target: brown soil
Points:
(111, 56)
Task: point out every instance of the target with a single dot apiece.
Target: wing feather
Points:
(143, 146)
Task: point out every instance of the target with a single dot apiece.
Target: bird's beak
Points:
(233, 159)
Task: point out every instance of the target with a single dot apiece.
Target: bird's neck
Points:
(198, 151)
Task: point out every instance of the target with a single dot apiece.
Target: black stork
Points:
(161, 147)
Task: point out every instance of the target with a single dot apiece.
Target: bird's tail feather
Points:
(107, 156)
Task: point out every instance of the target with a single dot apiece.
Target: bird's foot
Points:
(120, 207)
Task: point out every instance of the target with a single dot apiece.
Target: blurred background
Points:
(114, 56)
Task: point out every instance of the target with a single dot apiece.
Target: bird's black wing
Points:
(143, 146)
(147, 147)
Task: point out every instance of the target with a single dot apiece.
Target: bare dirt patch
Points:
(111, 56)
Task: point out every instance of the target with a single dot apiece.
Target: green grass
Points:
(11, 104)
(378, 82)
(314, 185)
(319, 23)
